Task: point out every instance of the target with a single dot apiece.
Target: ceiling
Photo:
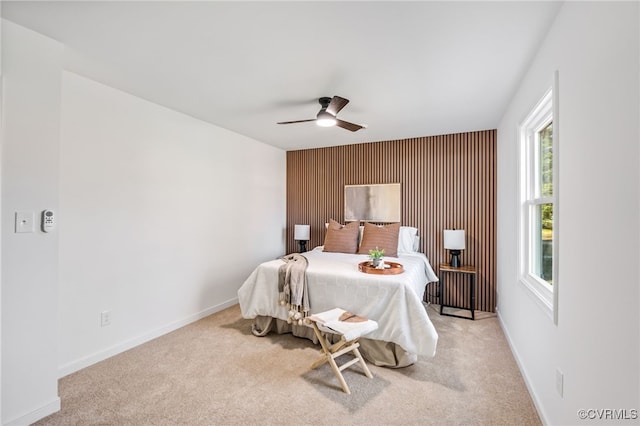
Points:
(409, 69)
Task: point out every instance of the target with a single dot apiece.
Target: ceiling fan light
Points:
(325, 119)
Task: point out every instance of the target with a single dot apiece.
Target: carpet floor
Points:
(215, 372)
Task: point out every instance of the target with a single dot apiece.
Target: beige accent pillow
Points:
(341, 238)
(380, 236)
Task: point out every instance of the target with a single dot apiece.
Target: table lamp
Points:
(454, 241)
(301, 234)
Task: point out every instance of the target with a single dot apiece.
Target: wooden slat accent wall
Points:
(448, 182)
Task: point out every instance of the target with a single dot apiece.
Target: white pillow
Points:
(407, 239)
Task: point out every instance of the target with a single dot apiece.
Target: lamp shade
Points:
(301, 232)
(454, 239)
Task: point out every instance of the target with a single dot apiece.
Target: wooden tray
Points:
(396, 268)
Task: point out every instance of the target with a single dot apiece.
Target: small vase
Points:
(375, 262)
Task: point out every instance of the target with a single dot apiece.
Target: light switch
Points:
(25, 222)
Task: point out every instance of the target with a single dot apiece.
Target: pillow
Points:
(406, 239)
(381, 236)
(326, 226)
(341, 238)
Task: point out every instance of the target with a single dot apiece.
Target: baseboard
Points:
(35, 415)
(527, 382)
(81, 363)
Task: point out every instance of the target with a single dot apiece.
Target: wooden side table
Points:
(465, 270)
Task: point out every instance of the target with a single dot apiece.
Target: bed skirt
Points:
(377, 352)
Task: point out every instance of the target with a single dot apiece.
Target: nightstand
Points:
(469, 271)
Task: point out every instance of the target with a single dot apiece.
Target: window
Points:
(538, 203)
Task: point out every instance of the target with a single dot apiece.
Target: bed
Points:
(334, 280)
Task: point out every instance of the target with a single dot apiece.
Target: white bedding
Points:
(394, 301)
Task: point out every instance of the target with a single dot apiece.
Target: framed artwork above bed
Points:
(372, 203)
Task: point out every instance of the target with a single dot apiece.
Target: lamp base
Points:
(303, 246)
(455, 259)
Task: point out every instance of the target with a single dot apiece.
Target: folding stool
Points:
(350, 333)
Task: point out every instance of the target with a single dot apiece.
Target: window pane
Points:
(545, 143)
(543, 240)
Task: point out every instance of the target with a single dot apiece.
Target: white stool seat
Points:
(350, 332)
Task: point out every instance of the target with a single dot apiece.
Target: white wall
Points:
(31, 119)
(162, 217)
(595, 48)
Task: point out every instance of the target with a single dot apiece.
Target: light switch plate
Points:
(25, 222)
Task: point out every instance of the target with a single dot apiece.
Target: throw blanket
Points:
(292, 286)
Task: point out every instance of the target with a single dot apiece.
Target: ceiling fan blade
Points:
(348, 126)
(296, 121)
(336, 104)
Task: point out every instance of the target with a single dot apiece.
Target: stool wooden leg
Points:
(363, 364)
(339, 375)
(319, 362)
(326, 350)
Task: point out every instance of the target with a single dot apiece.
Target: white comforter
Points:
(394, 301)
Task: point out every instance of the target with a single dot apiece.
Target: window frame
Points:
(530, 197)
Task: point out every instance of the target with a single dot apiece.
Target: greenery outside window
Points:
(538, 202)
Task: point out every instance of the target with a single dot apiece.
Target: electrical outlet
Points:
(559, 382)
(105, 318)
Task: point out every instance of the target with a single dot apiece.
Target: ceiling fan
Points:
(327, 115)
